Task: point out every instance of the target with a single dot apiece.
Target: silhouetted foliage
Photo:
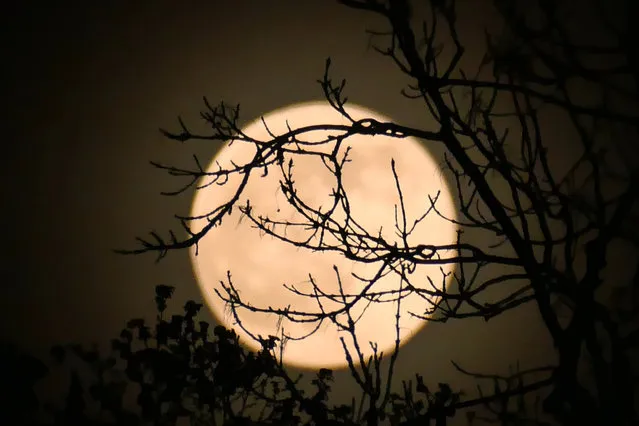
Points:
(490, 119)
(19, 373)
(177, 369)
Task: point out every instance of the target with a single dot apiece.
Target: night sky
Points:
(88, 87)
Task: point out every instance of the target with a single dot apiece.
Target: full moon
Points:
(260, 265)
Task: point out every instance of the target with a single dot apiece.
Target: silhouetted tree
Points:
(180, 369)
(490, 119)
(20, 372)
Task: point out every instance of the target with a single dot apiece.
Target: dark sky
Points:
(87, 88)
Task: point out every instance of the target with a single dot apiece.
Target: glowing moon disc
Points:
(260, 264)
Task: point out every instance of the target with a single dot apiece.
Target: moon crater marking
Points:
(261, 264)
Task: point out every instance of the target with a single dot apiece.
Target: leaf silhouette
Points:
(135, 323)
(164, 292)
